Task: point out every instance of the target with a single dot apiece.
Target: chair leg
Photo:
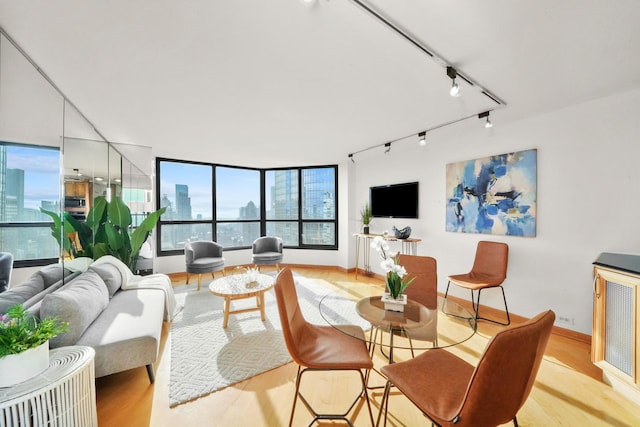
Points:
(295, 396)
(384, 404)
(187, 278)
(506, 309)
(444, 303)
(476, 306)
(515, 421)
(343, 416)
(199, 280)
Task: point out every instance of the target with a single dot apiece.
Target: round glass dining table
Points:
(416, 328)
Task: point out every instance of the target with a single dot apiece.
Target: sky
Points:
(42, 181)
(244, 186)
(41, 173)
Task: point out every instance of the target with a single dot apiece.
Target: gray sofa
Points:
(122, 325)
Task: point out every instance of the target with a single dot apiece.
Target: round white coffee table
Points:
(239, 286)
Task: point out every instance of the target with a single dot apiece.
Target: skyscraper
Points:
(183, 202)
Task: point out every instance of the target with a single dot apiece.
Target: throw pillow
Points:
(111, 276)
(33, 303)
(78, 303)
(52, 273)
(21, 293)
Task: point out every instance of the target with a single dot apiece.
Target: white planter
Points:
(394, 304)
(16, 368)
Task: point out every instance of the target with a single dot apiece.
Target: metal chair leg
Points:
(317, 416)
(384, 405)
(506, 309)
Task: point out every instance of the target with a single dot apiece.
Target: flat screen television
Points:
(394, 201)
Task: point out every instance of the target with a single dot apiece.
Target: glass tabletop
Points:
(417, 327)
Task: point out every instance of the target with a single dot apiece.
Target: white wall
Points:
(587, 200)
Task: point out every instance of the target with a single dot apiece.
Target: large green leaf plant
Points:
(106, 231)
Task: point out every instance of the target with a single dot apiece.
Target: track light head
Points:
(485, 115)
(351, 157)
(455, 89)
(422, 139)
(388, 147)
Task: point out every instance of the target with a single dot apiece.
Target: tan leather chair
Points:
(318, 348)
(424, 290)
(489, 271)
(451, 392)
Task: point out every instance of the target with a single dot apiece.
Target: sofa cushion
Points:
(78, 303)
(19, 294)
(127, 333)
(33, 303)
(111, 276)
(52, 273)
(39, 281)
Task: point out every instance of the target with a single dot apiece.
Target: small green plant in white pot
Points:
(24, 344)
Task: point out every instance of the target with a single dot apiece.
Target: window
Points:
(281, 198)
(186, 190)
(29, 180)
(242, 204)
(319, 206)
(237, 206)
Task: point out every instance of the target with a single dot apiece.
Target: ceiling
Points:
(281, 83)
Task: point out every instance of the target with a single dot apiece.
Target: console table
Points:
(408, 246)
(63, 395)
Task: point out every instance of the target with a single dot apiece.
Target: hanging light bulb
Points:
(455, 89)
(485, 115)
(422, 139)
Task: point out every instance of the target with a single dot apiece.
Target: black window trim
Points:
(262, 220)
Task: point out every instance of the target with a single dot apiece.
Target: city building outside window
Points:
(237, 205)
(29, 180)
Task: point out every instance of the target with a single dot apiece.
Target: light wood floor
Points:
(568, 390)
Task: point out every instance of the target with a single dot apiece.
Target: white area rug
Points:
(206, 358)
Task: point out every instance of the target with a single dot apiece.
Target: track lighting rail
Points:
(428, 51)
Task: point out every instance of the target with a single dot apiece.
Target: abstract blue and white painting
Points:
(493, 195)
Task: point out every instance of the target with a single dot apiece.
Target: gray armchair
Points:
(267, 250)
(203, 256)
(6, 267)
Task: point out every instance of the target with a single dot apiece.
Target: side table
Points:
(408, 246)
(63, 395)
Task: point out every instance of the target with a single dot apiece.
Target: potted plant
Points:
(366, 215)
(107, 231)
(396, 278)
(24, 344)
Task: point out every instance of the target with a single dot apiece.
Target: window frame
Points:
(21, 224)
(262, 220)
